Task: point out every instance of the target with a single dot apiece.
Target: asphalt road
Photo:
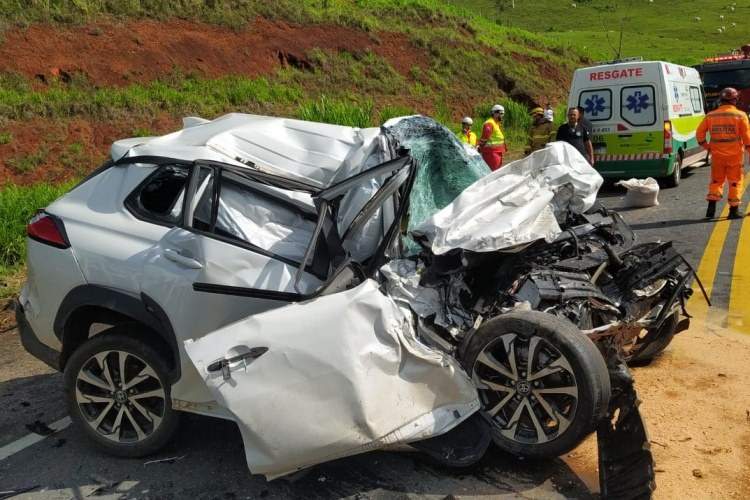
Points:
(207, 458)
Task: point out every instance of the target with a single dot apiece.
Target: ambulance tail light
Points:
(667, 137)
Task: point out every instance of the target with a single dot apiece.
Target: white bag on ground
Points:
(641, 192)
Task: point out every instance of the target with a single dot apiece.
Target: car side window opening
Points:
(245, 212)
(159, 198)
(596, 104)
(697, 99)
(638, 105)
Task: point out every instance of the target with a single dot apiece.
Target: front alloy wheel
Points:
(527, 388)
(542, 384)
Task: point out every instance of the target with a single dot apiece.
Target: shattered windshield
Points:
(445, 166)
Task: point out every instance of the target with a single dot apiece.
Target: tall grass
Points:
(17, 205)
(327, 110)
(177, 96)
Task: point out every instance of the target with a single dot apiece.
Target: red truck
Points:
(729, 70)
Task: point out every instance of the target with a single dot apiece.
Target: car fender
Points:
(126, 306)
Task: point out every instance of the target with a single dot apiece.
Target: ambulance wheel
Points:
(674, 179)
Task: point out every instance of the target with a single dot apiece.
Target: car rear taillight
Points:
(48, 229)
(667, 137)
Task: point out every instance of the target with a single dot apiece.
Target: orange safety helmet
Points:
(729, 94)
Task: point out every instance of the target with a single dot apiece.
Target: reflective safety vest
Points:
(496, 137)
(470, 138)
(729, 133)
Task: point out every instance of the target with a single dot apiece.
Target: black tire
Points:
(153, 416)
(674, 179)
(653, 344)
(582, 365)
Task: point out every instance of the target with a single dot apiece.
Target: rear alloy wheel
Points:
(119, 395)
(542, 384)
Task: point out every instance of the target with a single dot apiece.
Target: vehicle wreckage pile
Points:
(500, 307)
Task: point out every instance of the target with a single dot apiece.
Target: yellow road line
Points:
(709, 264)
(739, 300)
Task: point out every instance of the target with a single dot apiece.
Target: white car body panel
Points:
(192, 313)
(54, 274)
(110, 241)
(343, 374)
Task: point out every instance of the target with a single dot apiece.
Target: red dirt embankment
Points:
(112, 54)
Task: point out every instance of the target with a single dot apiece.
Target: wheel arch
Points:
(89, 305)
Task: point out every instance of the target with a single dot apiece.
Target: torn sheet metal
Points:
(342, 374)
(443, 303)
(517, 204)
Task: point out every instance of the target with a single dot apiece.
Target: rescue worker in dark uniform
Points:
(728, 140)
(576, 135)
(541, 132)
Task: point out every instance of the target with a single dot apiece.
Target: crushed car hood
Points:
(516, 204)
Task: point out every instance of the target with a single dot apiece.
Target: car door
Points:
(340, 372)
(235, 254)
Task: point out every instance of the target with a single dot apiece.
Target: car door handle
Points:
(176, 257)
(246, 358)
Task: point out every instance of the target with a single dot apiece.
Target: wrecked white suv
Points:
(380, 282)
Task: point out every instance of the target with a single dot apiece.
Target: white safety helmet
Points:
(467, 121)
(498, 107)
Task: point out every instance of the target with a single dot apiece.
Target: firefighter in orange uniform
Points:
(729, 138)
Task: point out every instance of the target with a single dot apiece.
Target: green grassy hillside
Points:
(656, 29)
(60, 111)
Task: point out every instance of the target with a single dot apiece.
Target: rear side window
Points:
(243, 212)
(697, 99)
(596, 104)
(637, 105)
(158, 199)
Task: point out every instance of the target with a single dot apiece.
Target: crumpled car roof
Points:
(317, 153)
(455, 203)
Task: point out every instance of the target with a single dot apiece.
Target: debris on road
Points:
(40, 428)
(11, 493)
(105, 486)
(169, 460)
(697, 473)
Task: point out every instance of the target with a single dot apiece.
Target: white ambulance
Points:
(643, 116)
